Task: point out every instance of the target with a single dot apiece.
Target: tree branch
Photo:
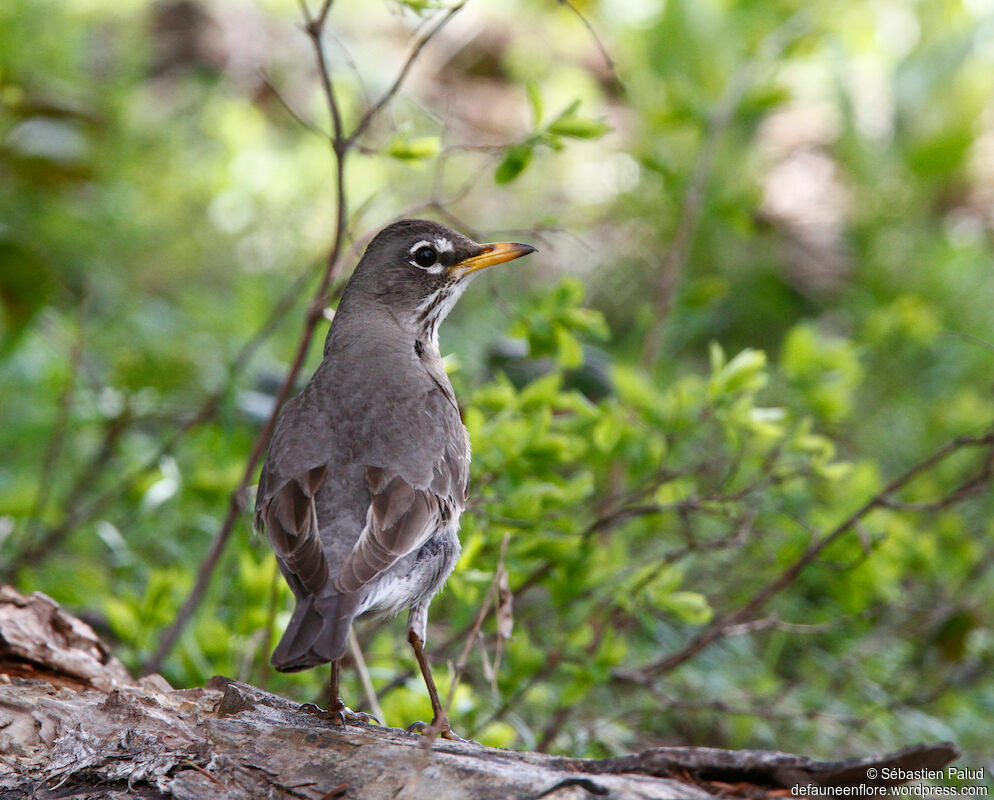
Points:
(314, 27)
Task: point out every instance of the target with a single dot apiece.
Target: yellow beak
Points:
(495, 253)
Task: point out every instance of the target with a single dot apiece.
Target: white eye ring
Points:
(425, 257)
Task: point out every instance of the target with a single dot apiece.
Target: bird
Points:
(367, 470)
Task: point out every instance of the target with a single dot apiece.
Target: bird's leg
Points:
(337, 712)
(440, 724)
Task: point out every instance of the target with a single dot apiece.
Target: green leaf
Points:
(691, 607)
(421, 7)
(516, 159)
(535, 101)
(26, 283)
(607, 433)
(571, 124)
(579, 127)
(744, 374)
(635, 388)
(541, 391)
(414, 149)
(569, 350)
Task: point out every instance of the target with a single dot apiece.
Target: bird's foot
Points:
(339, 714)
(438, 728)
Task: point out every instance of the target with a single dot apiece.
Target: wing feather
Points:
(291, 522)
(402, 517)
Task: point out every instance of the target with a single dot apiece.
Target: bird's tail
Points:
(318, 632)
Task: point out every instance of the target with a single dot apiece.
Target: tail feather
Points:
(317, 633)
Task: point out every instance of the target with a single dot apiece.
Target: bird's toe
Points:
(360, 716)
(336, 716)
(452, 737)
(340, 714)
(438, 728)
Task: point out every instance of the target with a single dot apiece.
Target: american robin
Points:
(368, 467)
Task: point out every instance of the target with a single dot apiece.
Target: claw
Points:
(443, 731)
(361, 716)
(342, 715)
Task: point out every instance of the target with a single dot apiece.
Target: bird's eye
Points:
(425, 256)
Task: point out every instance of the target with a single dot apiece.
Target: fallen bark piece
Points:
(38, 638)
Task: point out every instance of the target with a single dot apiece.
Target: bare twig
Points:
(559, 718)
(237, 500)
(597, 41)
(340, 145)
(267, 630)
(364, 678)
(294, 114)
(969, 487)
(489, 598)
(775, 623)
(763, 709)
(58, 438)
(350, 61)
(547, 668)
(389, 94)
(673, 263)
(41, 546)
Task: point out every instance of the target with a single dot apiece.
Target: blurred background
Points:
(764, 290)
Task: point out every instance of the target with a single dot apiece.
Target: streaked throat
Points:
(431, 311)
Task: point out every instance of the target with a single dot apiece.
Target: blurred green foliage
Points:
(789, 204)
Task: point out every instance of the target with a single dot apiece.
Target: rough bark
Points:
(73, 723)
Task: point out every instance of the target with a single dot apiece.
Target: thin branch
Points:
(597, 41)
(294, 114)
(41, 546)
(547, 668)
(491, 597)
(350, 61)
(389, 94)
(559, 719)
(764, 709)
(314, 27)
(267, 630)
(57, 441)
(969, 487)
(775, 623)
(364, 678)
(675, 260)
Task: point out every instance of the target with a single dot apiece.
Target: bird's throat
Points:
(435, 308)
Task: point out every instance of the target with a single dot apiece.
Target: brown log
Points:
(94, 732)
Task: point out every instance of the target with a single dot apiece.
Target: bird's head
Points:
(419, 268)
